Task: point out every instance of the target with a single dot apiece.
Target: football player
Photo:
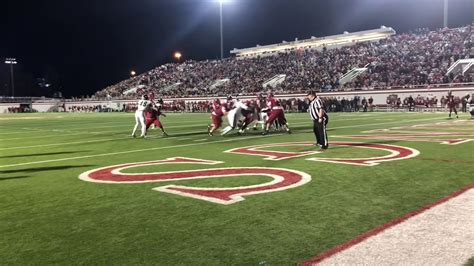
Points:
(451, 104)
(248, 116)
(276, 112)
(143, 105)
(236, 107)
(153, 116)
(471, 106)
(218, 111)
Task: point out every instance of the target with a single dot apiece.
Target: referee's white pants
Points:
(139, 121)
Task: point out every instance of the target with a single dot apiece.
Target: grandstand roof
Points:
(314, 42)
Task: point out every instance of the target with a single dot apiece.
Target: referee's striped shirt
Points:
(314, 107)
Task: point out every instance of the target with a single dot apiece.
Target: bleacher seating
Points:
(421, 57)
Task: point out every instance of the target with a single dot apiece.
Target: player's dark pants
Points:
(319, 130)
(452, 108)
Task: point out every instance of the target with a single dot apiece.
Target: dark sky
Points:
(86, 45)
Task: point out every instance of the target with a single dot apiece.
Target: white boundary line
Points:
(131, 151)
(105, 140)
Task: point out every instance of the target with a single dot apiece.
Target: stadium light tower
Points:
(133, 73)
(11, 62)
(221, 2)
(445, 11)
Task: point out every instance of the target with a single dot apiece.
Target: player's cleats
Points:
(165, 134)
(265, 132)
(288, 131)
(133, 136)
(226, 130)
(210, 134)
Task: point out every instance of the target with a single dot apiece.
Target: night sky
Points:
(83, 46)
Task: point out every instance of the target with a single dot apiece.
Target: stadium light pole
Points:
(11, 62)
(221, 2)
(445, 18)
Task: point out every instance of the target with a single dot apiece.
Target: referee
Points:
(320, 119)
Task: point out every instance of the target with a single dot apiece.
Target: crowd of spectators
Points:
(332, 104)
(21, 109)
(418, 58)
(88, 108)
(420, 101)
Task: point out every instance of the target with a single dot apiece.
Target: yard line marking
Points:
(59, 135)
(132, 151)
(199, 140)
(175, 146)
(125, 124)
(373, 124)
(98, 140)
(63, 143)
(92, 141)
(81, 132)
(13, 132)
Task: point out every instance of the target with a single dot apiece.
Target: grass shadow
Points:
(43, 169)
(10, 178)
(39, 154)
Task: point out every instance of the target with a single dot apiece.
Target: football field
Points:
(77, 189)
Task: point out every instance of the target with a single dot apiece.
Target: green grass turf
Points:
(470, 262)
(48, 215)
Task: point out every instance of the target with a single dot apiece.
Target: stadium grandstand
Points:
(367, 60)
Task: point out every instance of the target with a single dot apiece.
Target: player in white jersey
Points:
(143, 105)
(233, 115)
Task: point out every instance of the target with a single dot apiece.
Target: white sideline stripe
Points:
(97, 140)
(13, 132)
(63, 143)
(132, 151)
(72, 129)
(442, 235)
(199, 140)
(176, 146)
(74, 134)
(74, 126)
(105, 140)
(124, 131)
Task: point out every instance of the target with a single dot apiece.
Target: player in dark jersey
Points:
(451, 104)
(471, 106)
(248, 116)
(260, 114)
(153, 116)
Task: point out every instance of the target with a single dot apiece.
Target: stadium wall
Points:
(379, 96)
